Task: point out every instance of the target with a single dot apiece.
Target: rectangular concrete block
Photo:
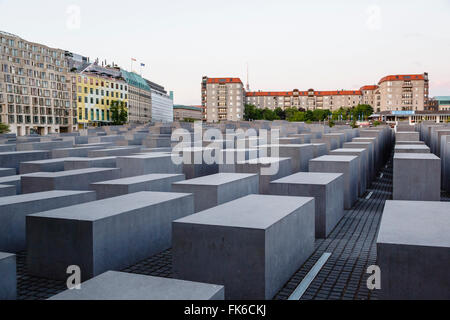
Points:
(113, 285)
(125, 151)
(6, 172)
(326, 188)
(103, 235)
(66, 180)
(6, 191)
(161, 182)
(251, 245)
(48, 145)
(411, 148)
(320, 149)
(74, 152)
(12, 181)
(13, 159)
(417, 176)
(49, 165)
(14, 209)
(229, 157)
(8, 276)
(369, 146)
(407, 136)
(268, 168)
(195, 163)
(413, 250)
(363, 165)
(85, 163)
(348, 165)
(216, 189)
(300, 154)
(138, 165)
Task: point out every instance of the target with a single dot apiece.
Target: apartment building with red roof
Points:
(224, 98)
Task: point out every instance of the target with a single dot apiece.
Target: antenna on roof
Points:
(248, 80)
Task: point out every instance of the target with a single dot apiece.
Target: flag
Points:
(133, 59)
(142, 64)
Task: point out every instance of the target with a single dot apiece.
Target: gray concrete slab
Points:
(123, 151)
(66, 180)
(265, 238)
(113, 285)
(348, 165)
(413, 250)
(407, 136)
(229, 157)
(6, 191)
(6, 172)
(411, 148)
(103, 235)
(326, 188)
(369, 146)
(363, 165)
(320, 149)
(12, 181)
(8, 283)
(161, 182)
(85, 163)
(13, 210)
(49, 145)
(273, 168)
(216, 189)
(49, 165)
(74, 152)
(138, 165)
(417, 176)
(13, 159)
(300, 154)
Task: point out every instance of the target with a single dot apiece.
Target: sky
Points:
(321, 44)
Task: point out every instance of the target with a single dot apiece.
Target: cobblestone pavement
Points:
(352, 245)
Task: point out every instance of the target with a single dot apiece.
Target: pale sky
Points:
(325, 45)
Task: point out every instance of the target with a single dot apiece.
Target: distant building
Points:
(162, 104)
(223, 99)
(443, 103)
(403, 92)
(97, 88)
(139, 98)
(36, 91)
(393, 93)
(181, 112)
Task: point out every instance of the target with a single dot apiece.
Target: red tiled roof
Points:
(224, 80)
(402, 77)
(370, 87)
(270, 94)
(304, 93)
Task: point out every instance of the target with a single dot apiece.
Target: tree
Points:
(280, 113)
(119, 114)
(4, 128)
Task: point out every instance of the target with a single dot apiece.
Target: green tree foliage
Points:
(4, 128)
(119, 114)
(361, 111)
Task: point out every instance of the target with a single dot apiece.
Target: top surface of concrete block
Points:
(67, 173)
(253, 212)
(332, 158)
(38, 196)
(109, 207)
(4, 255)
(309, 178)
(420, 223)
(114, 285)
(264, 160)
(138, 179)
(415, 156)
(216, 179)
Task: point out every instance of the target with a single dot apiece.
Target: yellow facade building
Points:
(95, 94)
